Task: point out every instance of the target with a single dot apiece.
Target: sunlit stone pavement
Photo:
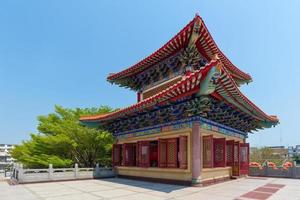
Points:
(241, 189)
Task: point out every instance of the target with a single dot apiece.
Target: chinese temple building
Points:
(191, 120)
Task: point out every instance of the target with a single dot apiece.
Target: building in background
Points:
(191, 120)
(5, 158)
(279, 151)
(293, 151)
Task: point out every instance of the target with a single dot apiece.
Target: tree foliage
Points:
(63, 141)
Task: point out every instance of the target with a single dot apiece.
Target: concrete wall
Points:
(292, 172)
(215, 173)
(158, 173)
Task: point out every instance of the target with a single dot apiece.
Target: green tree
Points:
(63, 141)
(263, 154)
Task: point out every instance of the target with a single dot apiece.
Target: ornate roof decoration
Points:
(229, 91)
(213, 79)
(193, 34)
(186, 86)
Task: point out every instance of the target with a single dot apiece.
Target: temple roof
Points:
(225, 90)
(204, 43)
(187, 86)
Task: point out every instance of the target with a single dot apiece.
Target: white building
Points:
(5, 158)
(294, 151)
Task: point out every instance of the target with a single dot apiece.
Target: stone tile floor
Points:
(240, 189)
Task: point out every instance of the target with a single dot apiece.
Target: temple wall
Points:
(220, 135)
(215, 173)
(206, 174)
(159, 173)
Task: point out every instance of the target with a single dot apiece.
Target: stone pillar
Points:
(76, 171)
(50, 174)
(20, 173)
(196, 153)
(97, 171)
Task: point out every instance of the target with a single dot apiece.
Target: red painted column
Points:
(196, 153)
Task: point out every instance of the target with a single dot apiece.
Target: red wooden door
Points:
(236, 159)
(137, 154)
(153, 155)
(172, 153)
(162, 153)
(182, 152)
(219, 152)
(128, 154)
(144, 147)
(229, 152)
(207, 151)
(244, 158)
(116, 155)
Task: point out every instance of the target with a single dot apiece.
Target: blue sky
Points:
(60, 52)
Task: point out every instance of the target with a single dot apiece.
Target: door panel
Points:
(229, 152)
(172, 153)
(182, 152)
(236, 159)
(219, 152)
(207, 151)
(244, 158)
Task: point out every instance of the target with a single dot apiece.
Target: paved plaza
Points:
(241, 189)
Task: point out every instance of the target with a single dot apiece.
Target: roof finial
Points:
(197, 15)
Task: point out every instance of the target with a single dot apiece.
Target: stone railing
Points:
(21, 175)
(291, 172)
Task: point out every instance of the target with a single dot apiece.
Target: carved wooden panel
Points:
(207, 151)
(183, 162)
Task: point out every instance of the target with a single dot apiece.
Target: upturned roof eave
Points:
(168, 49)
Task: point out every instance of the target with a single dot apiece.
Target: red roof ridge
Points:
(90, 117)
(165, 52)
(246, 99)
(114, 75)
(222, 56)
